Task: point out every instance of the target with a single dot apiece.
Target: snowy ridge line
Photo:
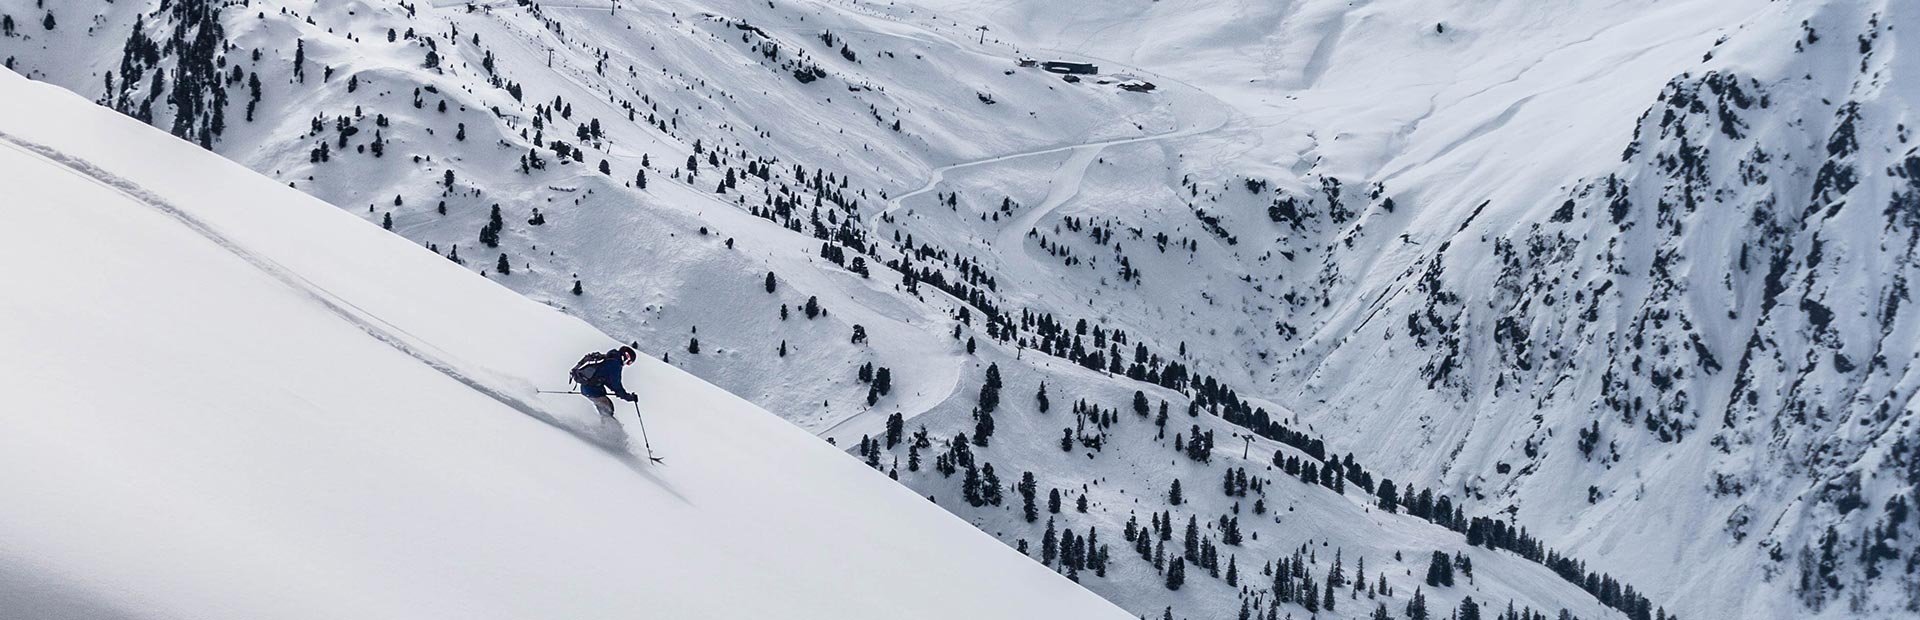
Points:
(375, 327)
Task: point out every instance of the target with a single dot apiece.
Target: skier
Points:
(599, 375)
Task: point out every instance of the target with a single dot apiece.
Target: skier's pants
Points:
(604, 404)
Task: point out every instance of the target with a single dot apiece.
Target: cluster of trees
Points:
(1236, 483)
(879, 382)
(1075, 553)
(1196, 444)
(197, 95)
(1436, 508)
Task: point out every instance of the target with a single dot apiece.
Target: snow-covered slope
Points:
(348, 111)
(1626, 277)
(1611, 271)
(226, 399)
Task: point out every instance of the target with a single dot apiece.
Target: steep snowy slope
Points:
(227, 399)
(1622, 281)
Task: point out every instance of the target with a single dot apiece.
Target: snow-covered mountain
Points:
(227, 399)
(1578, 271)
(1628, 273)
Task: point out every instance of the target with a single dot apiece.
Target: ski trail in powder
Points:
(380, 330)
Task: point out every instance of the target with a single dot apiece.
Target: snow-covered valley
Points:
(1611, 291)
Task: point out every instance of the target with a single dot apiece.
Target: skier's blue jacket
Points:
(606, 378)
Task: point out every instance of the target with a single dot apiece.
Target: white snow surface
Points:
(1472, 277)
(227, 399)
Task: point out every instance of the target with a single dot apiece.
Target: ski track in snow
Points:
(386, 333)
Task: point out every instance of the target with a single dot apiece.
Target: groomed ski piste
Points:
(227, 399)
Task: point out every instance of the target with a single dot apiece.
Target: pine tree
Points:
(1439, 571)
(299, 59)
(770, 282)
(386, 221)
(970, 487)
(503, 266)
(990, 491)
(693, 345)
(989, 399)
(1042, 397)
(1176, 575)
(253, 94)
(576, 287)
(490, 233)
(1173, 493)
(896, 425)
(1469, 610)
(1417, 608)
(1028, 488)
(1049, 544)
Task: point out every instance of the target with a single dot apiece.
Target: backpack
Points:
(582, 372)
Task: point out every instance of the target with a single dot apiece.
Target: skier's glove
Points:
(629, 397)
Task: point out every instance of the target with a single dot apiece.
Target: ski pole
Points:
(643, 434)
(556, 392)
